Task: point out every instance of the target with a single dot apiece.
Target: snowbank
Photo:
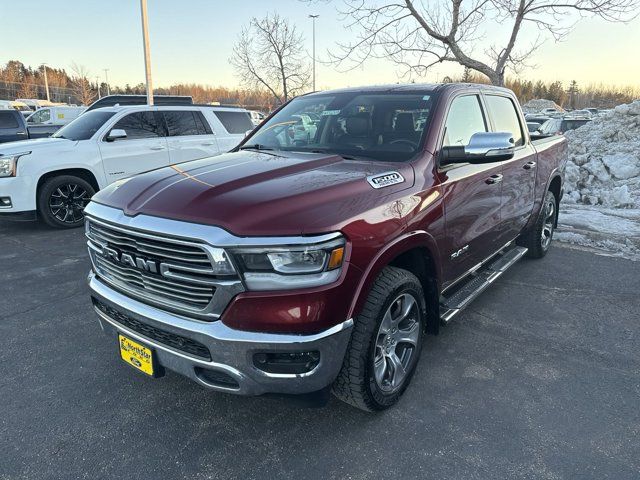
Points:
(601, 206)
(604, 160)
(538, 104)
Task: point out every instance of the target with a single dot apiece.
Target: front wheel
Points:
(385, 344)
(61, 201)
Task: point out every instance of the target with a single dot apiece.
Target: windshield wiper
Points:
(255, 146)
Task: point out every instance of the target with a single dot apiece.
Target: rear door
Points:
(144, 148)
(189, 136)
(519, 173)
(230, 126)
(472, 193)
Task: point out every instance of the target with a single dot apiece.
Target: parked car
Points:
(533, 126)
(593, 111)
(14, 127)
(256, 117)
(124, 100)
(586, 113)
(53, 179)
(300, 267)
(58, 116)
(302, 128)
(14, 104)
(557, 126)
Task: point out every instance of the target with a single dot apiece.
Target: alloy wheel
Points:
(396, 342)
(67, 202)
(549, 223)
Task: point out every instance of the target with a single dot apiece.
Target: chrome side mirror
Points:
(116, 134)
(483, 147)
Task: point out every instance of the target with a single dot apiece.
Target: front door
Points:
(471, 195)
(143, 149)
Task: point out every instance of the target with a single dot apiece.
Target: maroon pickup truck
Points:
(316, 255)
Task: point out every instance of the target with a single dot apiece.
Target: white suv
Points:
(54, 178)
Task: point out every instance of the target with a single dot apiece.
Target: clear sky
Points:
(191, 41)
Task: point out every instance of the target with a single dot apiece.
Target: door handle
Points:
(493, 179)
(157, 147)
(21, 133)
(207, 144)
(529, 165)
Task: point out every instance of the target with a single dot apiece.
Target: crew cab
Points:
(301, 265)
(54, 178)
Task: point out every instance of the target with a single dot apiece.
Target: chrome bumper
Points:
(231, 350)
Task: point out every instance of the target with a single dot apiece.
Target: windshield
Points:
(85, 126)
(380, 126)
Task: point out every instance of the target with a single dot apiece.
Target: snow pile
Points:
(538, 104)
(601, 206)
(604, 160)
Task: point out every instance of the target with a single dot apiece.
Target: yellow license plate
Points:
(136, 355)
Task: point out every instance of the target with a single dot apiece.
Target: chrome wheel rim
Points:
(548, 223)
(396, 343)
(67, 202)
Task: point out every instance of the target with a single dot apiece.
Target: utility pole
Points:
(313, 19)
(106, 80)
(46, 81)
(98, 85)
(147, 53)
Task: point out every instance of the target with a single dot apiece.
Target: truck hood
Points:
(36, 145)
(259, 193)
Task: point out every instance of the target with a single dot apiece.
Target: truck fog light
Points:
(5, 201)
(286, 363)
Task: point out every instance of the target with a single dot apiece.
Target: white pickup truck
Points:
(54, 178)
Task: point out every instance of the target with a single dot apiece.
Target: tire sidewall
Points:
(381, 399)
(543, 215)
(45, 193)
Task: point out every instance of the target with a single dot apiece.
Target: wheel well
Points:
(77, 172)
(420, 262)
(555, 187)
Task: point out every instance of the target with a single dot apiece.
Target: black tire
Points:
(356, 383)
(538, 238)
(71, 194)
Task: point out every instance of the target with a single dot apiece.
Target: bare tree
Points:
(269, 55)
(417, 35)
(81, 86)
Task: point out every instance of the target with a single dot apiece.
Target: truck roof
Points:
(413, 87)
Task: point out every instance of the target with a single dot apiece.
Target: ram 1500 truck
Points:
(299, 264)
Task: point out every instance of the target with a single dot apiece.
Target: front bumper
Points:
(22, 193)
(231, 351)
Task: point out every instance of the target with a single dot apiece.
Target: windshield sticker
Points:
(331, 112)
(385, 179)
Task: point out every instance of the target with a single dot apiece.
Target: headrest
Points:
(357, 126)
(404, 123)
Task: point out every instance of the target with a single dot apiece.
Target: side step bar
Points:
(453, 303)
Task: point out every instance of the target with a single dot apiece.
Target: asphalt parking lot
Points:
(540, 378)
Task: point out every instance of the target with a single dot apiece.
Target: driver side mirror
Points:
(116, 134)
(483, 147)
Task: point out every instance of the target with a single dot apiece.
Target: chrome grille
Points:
(187, 284)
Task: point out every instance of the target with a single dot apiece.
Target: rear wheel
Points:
(385, 344)
(538, 239)
(61, 201)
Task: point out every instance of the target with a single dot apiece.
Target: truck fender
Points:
(555, 173)
(402, 244)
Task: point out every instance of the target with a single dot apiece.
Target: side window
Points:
(464, 119)
(7, 120)
(139, 125)
(203, 126)
(181, 123)
(235, 122)
(505, 117)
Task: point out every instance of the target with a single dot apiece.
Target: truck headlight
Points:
(278, 268)
(9, 163)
